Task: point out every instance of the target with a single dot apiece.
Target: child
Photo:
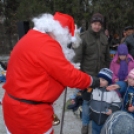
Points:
(121, 64)
(119, 123)
(102, 102)
(127, 91)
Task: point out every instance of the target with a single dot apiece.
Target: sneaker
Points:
(84, 130)
(56, 120)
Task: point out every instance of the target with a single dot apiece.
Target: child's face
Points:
(122, 57)
(130, 81)
(103, 82)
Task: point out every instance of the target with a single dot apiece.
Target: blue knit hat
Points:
(106, 74)
(122, 49)
(119, 123)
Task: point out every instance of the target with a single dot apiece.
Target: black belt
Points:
(29, 101)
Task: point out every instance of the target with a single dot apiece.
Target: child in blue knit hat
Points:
(102, 102)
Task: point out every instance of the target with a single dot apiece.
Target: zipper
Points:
(98, 42)
(101, 106)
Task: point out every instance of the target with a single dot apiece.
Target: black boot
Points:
(84, 130)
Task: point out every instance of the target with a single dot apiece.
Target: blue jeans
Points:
(73, 96)
(2, 78)
(85, 113)
(96, 129)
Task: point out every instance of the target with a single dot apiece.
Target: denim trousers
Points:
(96, 129)
(85, 113)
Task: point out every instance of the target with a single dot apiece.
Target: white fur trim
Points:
(7, 131)
(45, 23)
(73, 39)
(76, 40)
(49, 131)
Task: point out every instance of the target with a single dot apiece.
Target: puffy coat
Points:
(93, 53)
(37, 71)
(114, 66)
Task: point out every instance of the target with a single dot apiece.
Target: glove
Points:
(96, 82)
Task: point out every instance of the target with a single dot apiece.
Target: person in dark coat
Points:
(129, 41)
(92, 54)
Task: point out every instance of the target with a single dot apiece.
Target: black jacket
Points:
(129, 41)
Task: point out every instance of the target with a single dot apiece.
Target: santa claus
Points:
(38, 71)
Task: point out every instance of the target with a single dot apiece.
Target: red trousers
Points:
(23, 118)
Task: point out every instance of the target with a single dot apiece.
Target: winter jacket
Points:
(93, 53)
(124, 91)
(114, 44)
(129, 41)
(37, 71)
(114, 66)
(100, 101)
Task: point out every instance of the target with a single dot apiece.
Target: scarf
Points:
(123, 71)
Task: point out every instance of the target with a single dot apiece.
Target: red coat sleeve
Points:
(59, 68)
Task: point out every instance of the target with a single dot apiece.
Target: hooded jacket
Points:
(115, 66)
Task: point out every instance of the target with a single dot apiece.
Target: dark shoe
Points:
(56, 120)
(72, 105)
(84, 130)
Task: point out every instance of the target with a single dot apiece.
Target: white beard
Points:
(46, 24)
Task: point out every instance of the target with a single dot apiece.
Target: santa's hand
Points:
(96, 82)
(113, 87)
(116, 80)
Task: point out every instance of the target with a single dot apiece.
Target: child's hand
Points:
(116, 80)
(131, 109)
(125, 80)
(113, 87)
(109, 112)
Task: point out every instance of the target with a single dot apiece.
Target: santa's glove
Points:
(95, 83)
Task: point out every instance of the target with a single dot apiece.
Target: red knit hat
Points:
(66, 21)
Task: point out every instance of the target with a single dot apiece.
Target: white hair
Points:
(45, 23)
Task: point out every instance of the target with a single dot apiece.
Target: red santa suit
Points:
(37, 74)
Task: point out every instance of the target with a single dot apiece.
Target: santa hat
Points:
(62, 27)
(66, 21)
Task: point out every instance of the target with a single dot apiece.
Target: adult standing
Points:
(129, 40)
(93, 54)
(38, 73)
(124, 35)
(109, 36)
